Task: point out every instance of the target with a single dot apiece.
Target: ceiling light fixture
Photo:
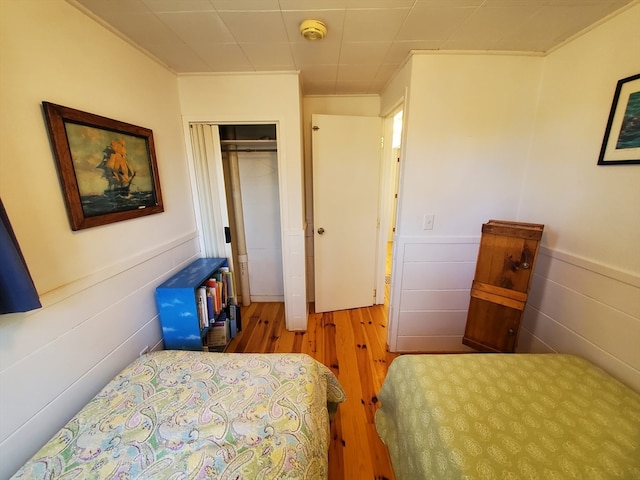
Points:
(313, 29)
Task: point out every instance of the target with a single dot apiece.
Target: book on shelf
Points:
(224, 277)
(213, 293)
(219, 334)
(202, 310)
(234, 320)
(211, 314)
(218, 313)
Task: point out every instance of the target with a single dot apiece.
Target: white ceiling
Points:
(367, 40)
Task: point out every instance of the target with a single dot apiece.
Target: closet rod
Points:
(249, 150)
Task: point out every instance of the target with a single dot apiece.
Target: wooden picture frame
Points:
(621, 144)
(107, 168)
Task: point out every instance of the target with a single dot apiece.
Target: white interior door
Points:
(346, 170)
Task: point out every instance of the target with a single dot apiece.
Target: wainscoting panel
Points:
(575, 305)
(442, 249)
(435, 276)
(580, 307)
(429, 275)
(435, 322)
(53, 360)
(429, 300)
(296, 304)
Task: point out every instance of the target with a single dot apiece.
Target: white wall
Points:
(468, 134)
(591, 211)
(96, 285)
(579, 306)
(264, 98)
(518, 138)
(468, 124)
(585, 298)
(396, 90)
(359, 105)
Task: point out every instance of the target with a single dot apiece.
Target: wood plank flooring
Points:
(352, 343)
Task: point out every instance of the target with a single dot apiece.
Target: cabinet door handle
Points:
(525, 265)
(511, 332)
(320, 231)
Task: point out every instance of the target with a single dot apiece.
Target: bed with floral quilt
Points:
(184, 414)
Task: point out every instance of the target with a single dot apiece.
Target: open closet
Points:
(246, 157)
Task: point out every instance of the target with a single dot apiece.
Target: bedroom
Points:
(56, 358)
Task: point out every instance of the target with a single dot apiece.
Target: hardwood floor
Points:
(352, 343)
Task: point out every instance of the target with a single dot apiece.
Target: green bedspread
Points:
(505, 416)
(178, 415)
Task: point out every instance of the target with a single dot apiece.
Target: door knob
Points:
(320, 231)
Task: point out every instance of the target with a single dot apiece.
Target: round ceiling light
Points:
(313, 29)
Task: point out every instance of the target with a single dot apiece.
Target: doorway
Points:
(393, 162)
(244, 157)
(389, 186)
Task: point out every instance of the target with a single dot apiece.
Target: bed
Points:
(184, 414)
(507, 416)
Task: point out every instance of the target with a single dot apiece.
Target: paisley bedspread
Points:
(181, 414)
(506, 416)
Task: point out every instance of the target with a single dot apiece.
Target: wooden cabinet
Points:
(507, 255)
(184, 325)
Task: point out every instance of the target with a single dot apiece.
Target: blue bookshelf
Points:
(177, 305)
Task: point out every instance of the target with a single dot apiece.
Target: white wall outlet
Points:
(427, 221)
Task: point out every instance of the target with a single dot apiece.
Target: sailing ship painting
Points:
(107, 168)
(112, 170)
(116, 169)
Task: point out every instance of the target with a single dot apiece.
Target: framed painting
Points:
(107, 168)
(621, 144)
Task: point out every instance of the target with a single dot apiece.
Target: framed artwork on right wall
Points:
(621, 144)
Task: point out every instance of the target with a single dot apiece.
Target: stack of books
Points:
(218, 311)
